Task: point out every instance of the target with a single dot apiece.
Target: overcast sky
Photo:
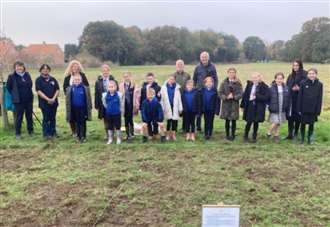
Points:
(62, 23)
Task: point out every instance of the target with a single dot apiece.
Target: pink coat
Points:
(136, 96)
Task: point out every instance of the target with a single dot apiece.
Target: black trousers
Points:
(20, 110)
(230, 126)
(153, 128)
(189, 119)
(199, 123)
(172, 125)
(129, 125)
(248, 127)
(293, 126)
(49, 121)
(310, 131)
(114, 122)
(208, 123)
(79, 118)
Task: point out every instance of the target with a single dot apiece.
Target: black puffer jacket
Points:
(274, 99)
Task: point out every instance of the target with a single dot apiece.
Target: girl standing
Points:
(191, 106)
(131, 96)
(279, 105)
(74, 69)
(255, 98)
(210, 103)
(230, 93)
(309, 104)
(297, 75)
(172, 106)
(114, 106)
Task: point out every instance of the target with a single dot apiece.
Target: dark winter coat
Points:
(201, 72)
(295, 78)
(14, 89)
(309, 102)
(215, 102)
(274, 99)
(254, 111)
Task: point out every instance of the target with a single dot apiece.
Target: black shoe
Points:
(254, 140)
(246, 139)
(144, 139)
(207, 137)
(162, 139)
(289, 137)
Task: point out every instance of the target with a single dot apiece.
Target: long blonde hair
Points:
(68, 70)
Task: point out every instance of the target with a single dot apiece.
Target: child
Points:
(230, 93)
(114, 105)
(309, 103)
(210, 103)
(191, 106)
(150, 83)
(101, 86)
(152, 116)
(78, 106)
(172, 106)
(279, 105)
(131, 103)
(255, 98)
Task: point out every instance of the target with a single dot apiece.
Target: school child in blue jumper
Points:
(152, 117)
(210, 105)
(191, 107)
(79, 106)
(114, 106)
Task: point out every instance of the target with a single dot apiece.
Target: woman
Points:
(279, 105)
(101, 86)
(19, 85)
(293, 82)
(74, 69)
(230, 92)
(48, 90)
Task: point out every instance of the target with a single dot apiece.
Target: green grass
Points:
(62, 183)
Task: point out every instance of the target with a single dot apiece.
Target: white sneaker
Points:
(118, 141)
(110, 140)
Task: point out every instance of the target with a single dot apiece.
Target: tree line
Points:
(109, 41)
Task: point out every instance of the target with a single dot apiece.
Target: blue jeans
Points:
(49, 121)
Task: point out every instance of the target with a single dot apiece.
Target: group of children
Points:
(299, 101)
(168, 103)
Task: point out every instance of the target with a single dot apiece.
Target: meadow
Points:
(65, 183)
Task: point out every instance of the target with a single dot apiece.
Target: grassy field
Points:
(63, 183)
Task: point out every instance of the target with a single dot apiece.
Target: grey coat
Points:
(230, 107)
(68, 103)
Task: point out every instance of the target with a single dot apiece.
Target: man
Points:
(204, 69)
(180, 75)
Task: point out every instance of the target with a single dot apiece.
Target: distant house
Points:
(36, 54)
(8, 53)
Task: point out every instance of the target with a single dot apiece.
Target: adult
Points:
(204, 69)
(101, 86)
(74, 69)
(48, 90)
(181, 76)
(293, 82)
(19, 85)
